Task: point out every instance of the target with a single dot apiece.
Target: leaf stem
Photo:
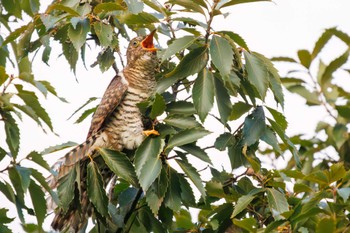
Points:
(321, 96)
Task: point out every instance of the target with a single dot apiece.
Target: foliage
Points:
(202, 71)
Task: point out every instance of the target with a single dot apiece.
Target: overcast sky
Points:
(273, 29)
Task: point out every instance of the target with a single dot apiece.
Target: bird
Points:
(116, 124)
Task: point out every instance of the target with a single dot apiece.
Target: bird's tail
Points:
(80, 209)
(65, 164)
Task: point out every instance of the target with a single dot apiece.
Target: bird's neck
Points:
(142, 78)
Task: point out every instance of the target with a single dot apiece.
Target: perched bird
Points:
(116, 124)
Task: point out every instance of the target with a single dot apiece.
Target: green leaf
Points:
(277, 202)
(42, 181)
(279, 117)
(301, 188)
(158, 106)
(95, 189)
(191, 64)
(106, 59)
(31, 7)
(270, 138)
(241, 204)
(223, 141)
(337, 172)
(238, 109)
(236, 38)
(343, 110)
(326, 225)
(178, 45)
(59, 147)
(32, 101)
(257, 73)
(104, 33)
(16, 181)
(225, 3)
(344, 193)
(189, 5)
(305, 58)
(50, 21)
(91, 99)
(3, 75)
(66, 188)
(134, 6)
(150, 171)
(120, 165)
(85, 114)
(284, 59)
(106, 7)
(77, 32)
(183, 220)
(196, 151)
(332, 67)
(38, 159)
(61, 7)
(181, 107)
(310, 97)
(13, 7)
(222, 55)
(274, 78)
(156, 192)
(150, 148)
(274, 225)
(248, 224)
(326, 36)
(173, 195)
(222, 100)
(182, 122)
(277, 128)
(254, 126)
(71, 54)
(192, 173)
(187, 136)
(203, 93)
(187, 195)
(340, 134)
(15, 34)
(3, 217)
(138, 19)
(12, 133)
(39, 202)
(7, 191)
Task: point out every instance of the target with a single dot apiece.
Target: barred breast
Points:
(125, 128)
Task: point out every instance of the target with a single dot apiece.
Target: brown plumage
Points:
(116, 124)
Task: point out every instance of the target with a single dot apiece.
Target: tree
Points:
(205, 75)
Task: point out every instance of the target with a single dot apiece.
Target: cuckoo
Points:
(116, 124)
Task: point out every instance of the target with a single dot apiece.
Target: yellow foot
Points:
(151, 132)
(89, 155)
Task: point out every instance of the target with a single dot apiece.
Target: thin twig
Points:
(211, 17)
(8, 84)
(321, 96)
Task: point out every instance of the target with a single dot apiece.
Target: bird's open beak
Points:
(147, 43)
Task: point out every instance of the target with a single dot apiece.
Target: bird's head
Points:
(141, 51)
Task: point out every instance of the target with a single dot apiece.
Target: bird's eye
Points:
(135, 43)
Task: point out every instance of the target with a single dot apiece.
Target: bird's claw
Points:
(151, 132)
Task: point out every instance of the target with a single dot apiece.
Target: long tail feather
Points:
(63, 166)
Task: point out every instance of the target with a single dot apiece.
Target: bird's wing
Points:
(111, 99)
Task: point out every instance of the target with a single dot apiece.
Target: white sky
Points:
(273, 29)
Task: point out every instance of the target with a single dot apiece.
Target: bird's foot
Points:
(151, 132)
(90, 157)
